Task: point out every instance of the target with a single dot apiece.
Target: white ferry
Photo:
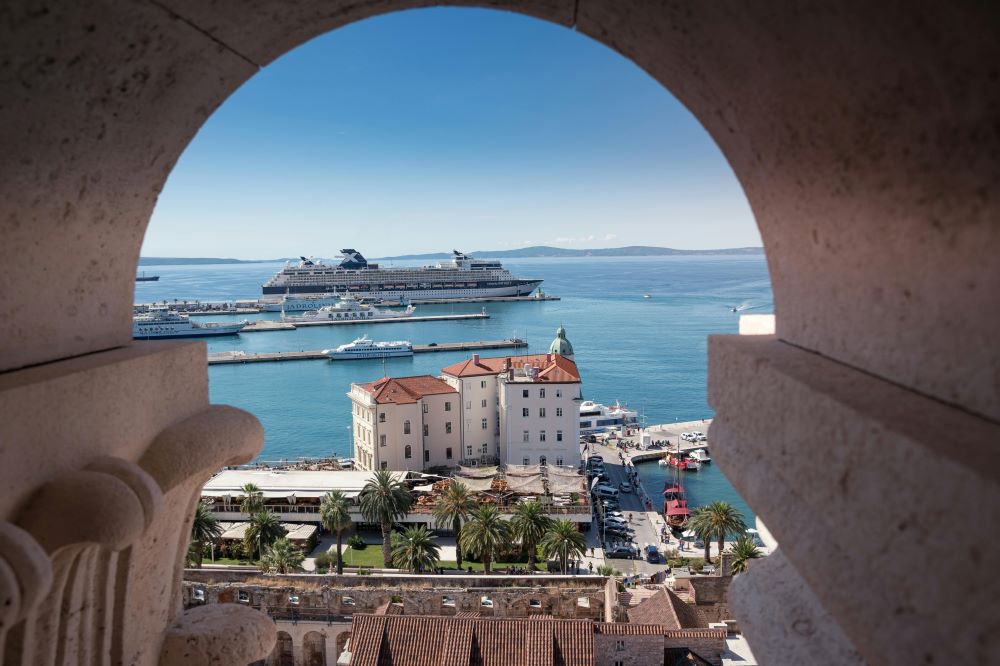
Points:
(161, 322)
(461, 277)
(347, 308)
(305, 302)
(595, 417)
(365, 347)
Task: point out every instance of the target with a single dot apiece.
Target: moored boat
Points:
(364, 347)
(701, 456)
(159, 322)
(348, 308)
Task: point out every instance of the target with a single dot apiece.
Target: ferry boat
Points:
(461, 277)
(595, 417)
(348, 308)
(160, 322)
(301, 303)
(365, 347)
(701, 456)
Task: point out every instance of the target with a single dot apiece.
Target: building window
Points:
(485, 425)
(426, 430)
(558, 435)
(484, 402)
(541, 460)
(525, 461)
(619, 645)
(558, 411)
(486, 449)
(381, 440)
(427, 408)
(541, 393)
(526, 437)
(408, 452)
(447, 453)
(427, 456)
(447, 406)
(524, 412)
(541, 412)
(406, 427)
(468, 450)
(559, 461)
(381, 417)
(384, 465)
(558, 393)
(447, 427)
(524, 393)
(541, 436)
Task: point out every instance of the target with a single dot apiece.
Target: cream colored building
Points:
(405, 423)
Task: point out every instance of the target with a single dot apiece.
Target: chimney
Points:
(475, 359)
(510, 370)
(548, 358)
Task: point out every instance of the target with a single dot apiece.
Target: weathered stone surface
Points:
(218, 636)
(868, 488)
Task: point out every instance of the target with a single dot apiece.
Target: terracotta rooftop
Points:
(402, 640)
(553, 368)
(406, 390)
(667, 609)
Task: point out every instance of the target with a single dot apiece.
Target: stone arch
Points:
(283, 653)
(869, 159)
(314, 649)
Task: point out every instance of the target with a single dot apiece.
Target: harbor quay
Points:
(232, 357)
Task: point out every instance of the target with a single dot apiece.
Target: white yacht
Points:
(595, 417)
(700, 455)
(161, 322)
(348, 308)
(365, 347)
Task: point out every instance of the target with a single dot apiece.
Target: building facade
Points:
(405, 423)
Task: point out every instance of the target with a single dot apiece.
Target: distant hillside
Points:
(548, 251)
(195, 261)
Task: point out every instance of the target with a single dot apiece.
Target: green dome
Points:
(561, 345)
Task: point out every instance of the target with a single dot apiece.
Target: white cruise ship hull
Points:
(170, 330)
(395, 294)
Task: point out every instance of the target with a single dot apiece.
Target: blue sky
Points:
(424, 130)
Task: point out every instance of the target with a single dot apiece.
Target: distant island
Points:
(549, 251)
(524, 252)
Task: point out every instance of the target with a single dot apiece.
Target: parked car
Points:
(623, 533)
(652, 554)
(686, 436)
(595, 457)
(702, 438)
(625, 487)
(601, 490)
(611, 504)
(619, 552)
(612, 521)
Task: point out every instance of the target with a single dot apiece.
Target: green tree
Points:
(484, 534)
(252, 500)
(529, 525)
(451, 509)
(744, 550)
(333, 513)
(384, 500)
(263, 530)
(415, 549)
(281, 557)
(205, 529)
(563, 540)
(716, 521)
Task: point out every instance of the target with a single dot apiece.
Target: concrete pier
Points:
(395, 320)
(227, 358)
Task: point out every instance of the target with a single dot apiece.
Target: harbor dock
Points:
(230, 357)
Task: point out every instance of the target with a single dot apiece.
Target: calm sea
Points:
(649, 353)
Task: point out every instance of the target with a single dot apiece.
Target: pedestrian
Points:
(591, 565)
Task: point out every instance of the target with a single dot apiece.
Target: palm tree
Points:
(383, 501)
(282, 557)
(744, 550)
(415, 549)
(484, 534)
(333, 513)
(725, 520)
(252, 500)
(205, 529)
(563, 540)
(529, 525)
(454, 506)
(263, 530)
(700, 523)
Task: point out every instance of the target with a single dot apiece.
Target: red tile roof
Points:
(668, 609)
(406, 390)
(555, 369)
(402, 640)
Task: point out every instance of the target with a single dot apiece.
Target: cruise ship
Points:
(365, 347)
(595, 417)
(160, 322)
(461, 277)
(348, 308)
